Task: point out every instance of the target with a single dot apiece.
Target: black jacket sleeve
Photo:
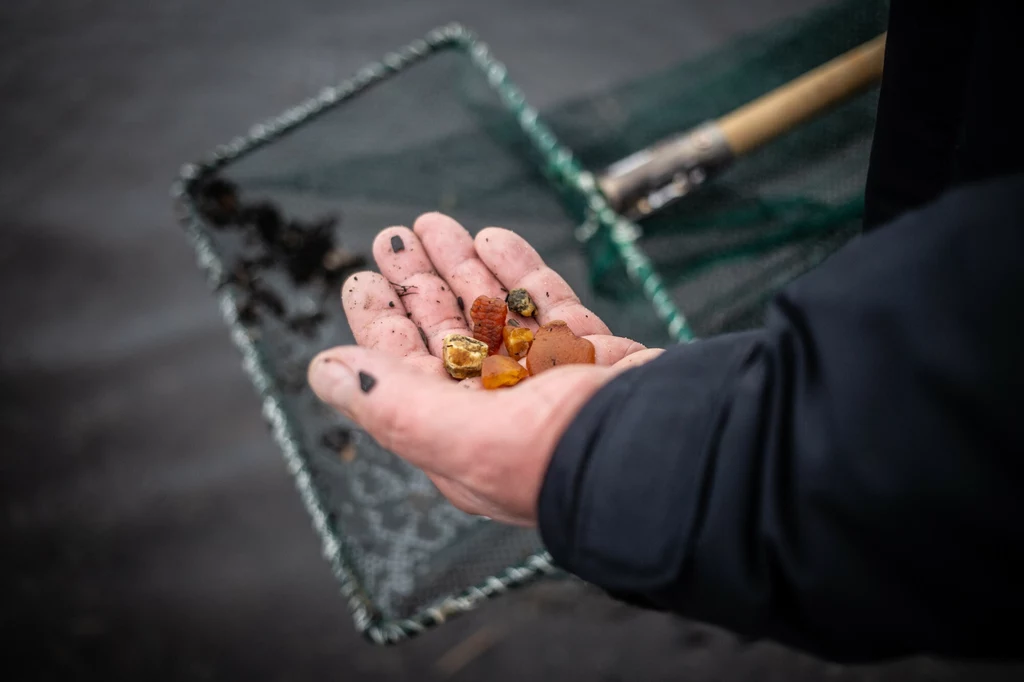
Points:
(848, 479)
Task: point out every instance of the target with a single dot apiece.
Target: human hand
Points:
(486, 451)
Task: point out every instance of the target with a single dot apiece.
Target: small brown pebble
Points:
(463, 357)
(336, 439)
(519, 301)
(348, 453)
(338, 259)
(555, 344)
(499, 371)
(397, 244)
(517, 340)
(513, 322)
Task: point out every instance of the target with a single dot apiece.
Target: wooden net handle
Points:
(791, 104)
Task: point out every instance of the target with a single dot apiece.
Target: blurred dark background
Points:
(149, 527)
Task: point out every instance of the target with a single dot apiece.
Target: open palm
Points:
(486, 451)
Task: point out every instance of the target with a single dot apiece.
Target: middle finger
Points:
(453, 253)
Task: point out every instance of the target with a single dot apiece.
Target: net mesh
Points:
(281, 225)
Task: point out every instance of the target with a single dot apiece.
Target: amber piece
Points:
(488, 315)
(554, 345)
(517, 341)
(463, 357)
(501, 371)
(519, 301)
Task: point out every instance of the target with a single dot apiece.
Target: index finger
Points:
(517, 265)
(378, 319)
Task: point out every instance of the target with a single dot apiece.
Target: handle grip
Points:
(788, 106)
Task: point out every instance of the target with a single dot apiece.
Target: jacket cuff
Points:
(627, 480)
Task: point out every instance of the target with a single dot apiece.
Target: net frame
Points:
(598, 224)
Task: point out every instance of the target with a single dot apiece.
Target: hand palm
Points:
(486, 452)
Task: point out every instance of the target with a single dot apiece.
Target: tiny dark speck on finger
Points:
(391, 304)
(355, 279)
(366, 382)
(397, 244)
(462, 305)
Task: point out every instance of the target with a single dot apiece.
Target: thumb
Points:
(435, 423)
(409, 412)
(487, 451)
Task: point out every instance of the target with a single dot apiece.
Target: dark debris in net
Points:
(307, 250)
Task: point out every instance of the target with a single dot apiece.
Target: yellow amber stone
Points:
(463, 357)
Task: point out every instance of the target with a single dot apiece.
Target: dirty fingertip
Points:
(433, 220)
(332, 379)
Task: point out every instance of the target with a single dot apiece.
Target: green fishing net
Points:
(280, 215)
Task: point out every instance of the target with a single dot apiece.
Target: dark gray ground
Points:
(150, 530)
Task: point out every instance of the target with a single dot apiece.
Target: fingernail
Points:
(333, 381)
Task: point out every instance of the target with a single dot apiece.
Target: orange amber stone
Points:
(554, 345)
(517, 341)
(488, 315)
(501, 371)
